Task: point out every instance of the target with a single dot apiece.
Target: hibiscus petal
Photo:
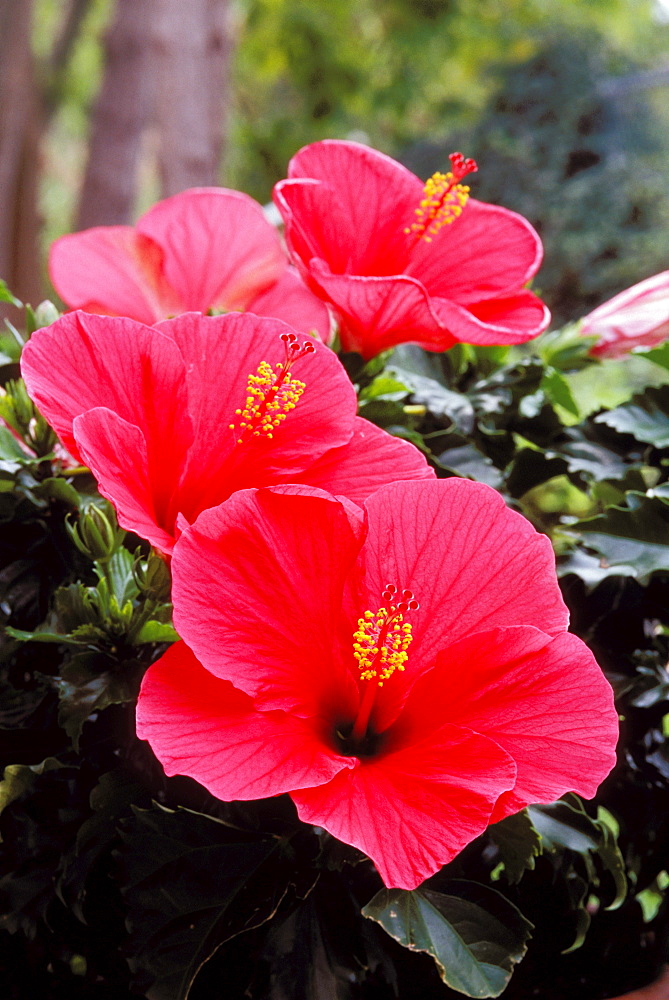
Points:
(488, 251)
(235, 345)
(349, 205)
(116, 453)
(117, 363)
(112, 270)
(411, 811)
(367, 462)
(203, 727)
(257, 589)
(472, 564)
(220, 250)
(511, 320)
(291, 301)
(376, 313)
(544, 700)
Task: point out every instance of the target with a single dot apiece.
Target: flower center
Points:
(271, 393)
(380, 646)
(443, 199)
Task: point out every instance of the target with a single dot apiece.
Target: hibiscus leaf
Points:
(319, 949)
(645, 417)
(471, 463)
(153, 631)
(627, 537)
(518, 843)
(91, 681)
(565, 824)
(455, 407)
(209, 870)
(6, 295)
(18, 779)
(556, 387)
(658, 355)
(593, 460)
(56, 488)
(110, 799)
(474, 934)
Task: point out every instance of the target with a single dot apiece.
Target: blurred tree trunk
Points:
(119, 118)
(191, 53)
(166, 69)
(20, 129)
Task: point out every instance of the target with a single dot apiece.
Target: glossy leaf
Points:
(518, 843)
(209, 869)
(473, 933)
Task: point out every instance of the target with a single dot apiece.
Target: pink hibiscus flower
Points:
(402, 261)
(403, 671)
(637, 317)
(172, 419)
(200, 250)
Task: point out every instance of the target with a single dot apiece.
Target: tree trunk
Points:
(120, 117)
(20, 129)
(167, 63)
(191, 50)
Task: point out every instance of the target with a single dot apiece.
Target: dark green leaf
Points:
(633, 540)
(22, 636)
(593, 460)
(470, 462)
(16, 706)
(565, 824)
(87, 685)
(440, 401)
(318, 951)
(111, 799)
(645, 418)
(188, 882)
(474, 934)
(562, 825)
(18, 779)
(56, 488)
(518, 843)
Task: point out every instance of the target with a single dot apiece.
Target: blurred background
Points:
(108, 105)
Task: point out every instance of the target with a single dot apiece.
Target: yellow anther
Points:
(444, 199)
(380, 643)
(443, 204)
(271, 394)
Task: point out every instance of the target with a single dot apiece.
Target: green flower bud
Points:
(153, 577)
(94, 534)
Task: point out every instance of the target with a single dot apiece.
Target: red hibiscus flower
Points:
(637, 317)
(203, 249)
(172, 419)
(404, 671)
(402, 261)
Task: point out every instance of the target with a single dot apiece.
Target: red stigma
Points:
(460, 166)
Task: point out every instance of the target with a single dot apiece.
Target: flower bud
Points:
(45, 314)
(637, 317)
(153, 577)
(95, 535)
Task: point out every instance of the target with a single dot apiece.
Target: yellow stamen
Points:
(443, 199)
(380, 646)
(271, 393)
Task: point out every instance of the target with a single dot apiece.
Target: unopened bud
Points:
(45, 314)
(153, 577)
(95, 534)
